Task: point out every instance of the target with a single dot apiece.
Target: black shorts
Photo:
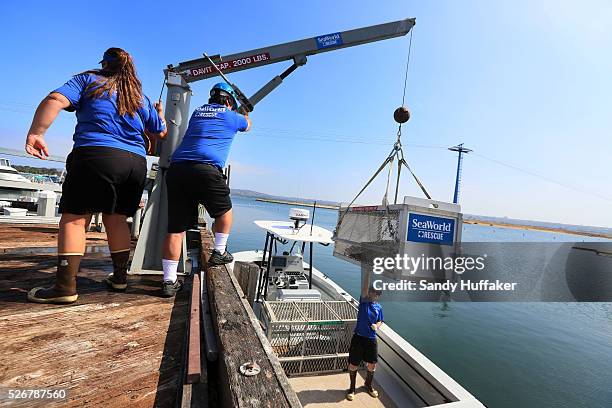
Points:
(192, 183)
(103, 179)
(363, 349)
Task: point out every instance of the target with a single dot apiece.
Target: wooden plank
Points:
(210, 335)
(211, 346)
(37, 235)
(187, 396)
(239, 343)
(193, 355)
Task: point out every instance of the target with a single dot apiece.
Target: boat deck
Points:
(107, 349)
(327, 391)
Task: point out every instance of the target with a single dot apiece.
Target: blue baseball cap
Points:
(222, 86)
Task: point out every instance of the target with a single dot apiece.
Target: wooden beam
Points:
(211, 347)
(241, 340)
(210, 336)
(193, 358)
(247, 274)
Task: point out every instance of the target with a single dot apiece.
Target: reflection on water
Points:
(507, 354)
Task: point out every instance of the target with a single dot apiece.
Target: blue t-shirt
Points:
(368, 314)
(99, 123)
(209, 136)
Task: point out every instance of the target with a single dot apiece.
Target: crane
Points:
(147, 256)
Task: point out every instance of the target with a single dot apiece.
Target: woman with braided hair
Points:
(106, 169)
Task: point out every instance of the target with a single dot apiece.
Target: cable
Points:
(380, 142)
(407, 65)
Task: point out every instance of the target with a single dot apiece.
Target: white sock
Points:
(170, 268)
(221, 241)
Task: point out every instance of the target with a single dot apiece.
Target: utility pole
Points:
(459, 149)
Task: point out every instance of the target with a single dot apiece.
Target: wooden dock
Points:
(131, 349)
(107, 350)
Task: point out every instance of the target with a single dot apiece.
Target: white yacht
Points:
(16, 187)
(9, 173)
(309, 321)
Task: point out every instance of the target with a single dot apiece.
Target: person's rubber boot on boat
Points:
(368, 384)
(64, 289)
(117, 280)
(350, 394)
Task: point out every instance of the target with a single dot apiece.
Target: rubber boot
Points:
(368, 385)
(64, 289)
(350, 395)
(118, 279)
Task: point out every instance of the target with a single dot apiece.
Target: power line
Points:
(20, 153)
(546, 178)
(353, 141)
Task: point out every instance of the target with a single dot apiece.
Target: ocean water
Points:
(508, 355)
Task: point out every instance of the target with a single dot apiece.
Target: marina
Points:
(130, 341)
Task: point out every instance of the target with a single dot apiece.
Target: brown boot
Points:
(350, 394)
(118, 279)
(368, 384)
(64, 290)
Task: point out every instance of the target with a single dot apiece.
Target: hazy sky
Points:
(526, 84)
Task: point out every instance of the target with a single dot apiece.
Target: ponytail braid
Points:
(118, 76)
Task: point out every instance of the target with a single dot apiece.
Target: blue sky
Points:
(526, 84)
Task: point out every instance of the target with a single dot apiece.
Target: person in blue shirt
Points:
(106, 169)
(364, 346)
(196, 176)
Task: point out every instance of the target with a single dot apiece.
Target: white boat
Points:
(16, 187)
(309, 320)
(9, 173)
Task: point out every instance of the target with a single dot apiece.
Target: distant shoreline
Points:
(470, 221)
(302, 204)
(537, 228)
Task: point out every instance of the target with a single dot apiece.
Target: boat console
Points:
(287, 272)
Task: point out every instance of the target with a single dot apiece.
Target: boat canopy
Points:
(305, 233)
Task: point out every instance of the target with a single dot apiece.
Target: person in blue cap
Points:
(106, 169)
(196, 176)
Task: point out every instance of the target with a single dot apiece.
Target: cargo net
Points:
(310, 337)
(363, 232)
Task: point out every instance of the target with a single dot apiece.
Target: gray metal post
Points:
(136, 218)
(148, 252)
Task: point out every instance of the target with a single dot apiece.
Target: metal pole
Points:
(136, 218)
(261, 273)
(310, 250)
(460, 150)
(457, 179)
(267, 276)
(147, 255)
